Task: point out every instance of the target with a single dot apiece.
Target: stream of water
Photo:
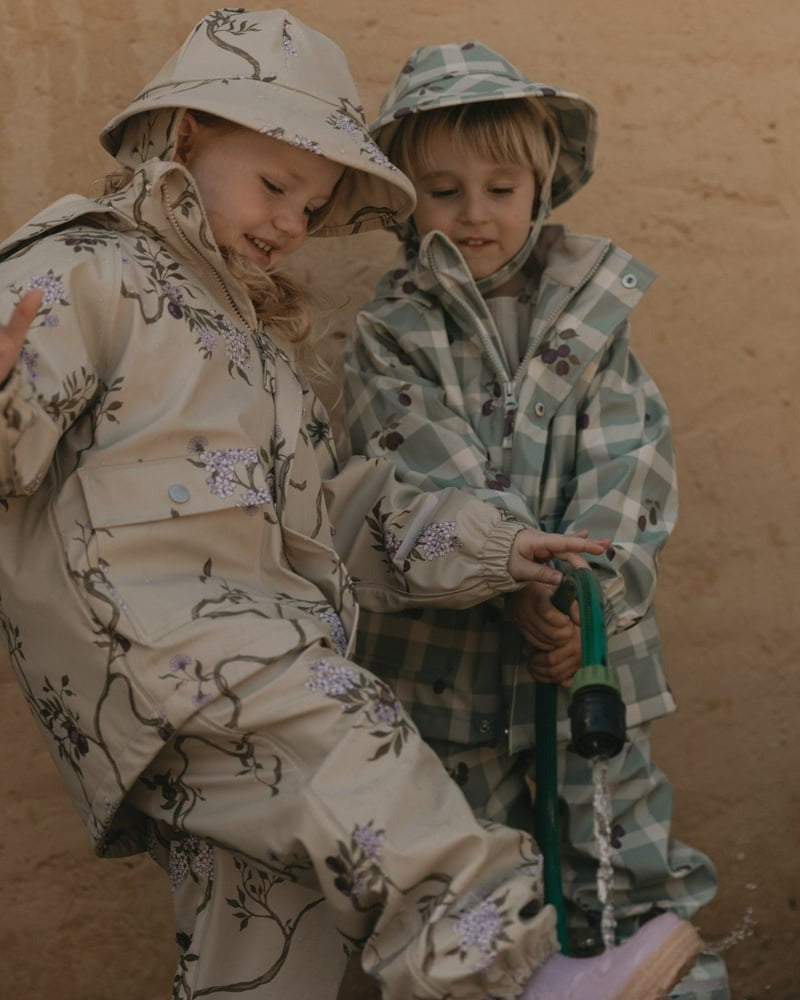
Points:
(602, 835)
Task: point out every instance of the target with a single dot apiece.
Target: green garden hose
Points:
(597, 726)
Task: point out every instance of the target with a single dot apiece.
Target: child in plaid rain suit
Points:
(495, 357)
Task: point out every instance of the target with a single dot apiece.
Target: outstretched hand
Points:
(532, 548)
(15, 331)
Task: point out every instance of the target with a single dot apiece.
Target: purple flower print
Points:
(29, 358)
(370, 841)
(311, 145)
(176, 300)
(222, 465)
(52, 286)
(391, 543)
(180, 662)
(437, 540)
(288, 44)
(190, 855)
(479, 928)
(336, 628)
(331, 679)
(235, 345)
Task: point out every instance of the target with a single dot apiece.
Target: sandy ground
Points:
(697, 175)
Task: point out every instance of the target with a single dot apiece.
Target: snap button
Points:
(538, 409)
(484, 726)
(630, 280)
(178, 493)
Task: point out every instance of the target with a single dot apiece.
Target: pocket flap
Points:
(155, 490)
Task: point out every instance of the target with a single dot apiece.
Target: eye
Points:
(498, 189)
(443, 193)
(271, 186)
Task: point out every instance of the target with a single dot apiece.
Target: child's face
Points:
(258, 192)
(485, 208)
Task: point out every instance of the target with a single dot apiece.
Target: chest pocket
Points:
(154, 532)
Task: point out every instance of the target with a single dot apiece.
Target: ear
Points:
(187, 137)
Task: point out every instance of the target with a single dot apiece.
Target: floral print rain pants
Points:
(318, 820)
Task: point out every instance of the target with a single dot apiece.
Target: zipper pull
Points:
(510, 406)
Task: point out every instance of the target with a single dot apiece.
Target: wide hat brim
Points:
(575, 117)
(267, 71)
(372, 194)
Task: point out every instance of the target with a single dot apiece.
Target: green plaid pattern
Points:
(591, 449)
(438, 76)
(652, 871)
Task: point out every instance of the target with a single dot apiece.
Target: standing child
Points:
(172, 527)
(495, 358)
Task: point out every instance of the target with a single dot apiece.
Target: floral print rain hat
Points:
(440, 76)
(267, 71)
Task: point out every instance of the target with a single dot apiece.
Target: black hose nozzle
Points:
(596, 713)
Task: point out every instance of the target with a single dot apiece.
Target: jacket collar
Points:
(161, 200)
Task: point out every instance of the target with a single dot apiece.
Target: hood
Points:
(440, 76)
(267, 71)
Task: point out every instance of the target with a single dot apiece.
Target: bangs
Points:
(518, 132)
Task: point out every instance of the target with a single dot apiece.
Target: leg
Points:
(311, 774)
(241, 929)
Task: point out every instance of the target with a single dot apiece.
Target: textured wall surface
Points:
(697, 176)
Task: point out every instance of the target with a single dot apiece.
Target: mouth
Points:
(475, 244)
(264, 250)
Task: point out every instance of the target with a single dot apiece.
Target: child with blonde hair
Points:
(495, 357)
(182, 556)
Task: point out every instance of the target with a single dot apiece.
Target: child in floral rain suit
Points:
(173, 525)
(495, 357)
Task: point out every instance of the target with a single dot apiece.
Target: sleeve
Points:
(57, 374)
(412, 412)
(406, 548)
(624, 485)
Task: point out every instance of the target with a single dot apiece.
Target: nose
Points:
(291, 220)
(473, 207)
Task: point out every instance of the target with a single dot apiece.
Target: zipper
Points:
(220, 280)
(510, 402)
(258, 337)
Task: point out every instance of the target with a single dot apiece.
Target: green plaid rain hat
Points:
(440, 76)
(267, 71)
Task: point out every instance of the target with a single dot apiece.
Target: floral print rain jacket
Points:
(172, 515)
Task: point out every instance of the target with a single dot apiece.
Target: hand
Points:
(540, 622)
(558, 665)
(531, 548)
(553, 650)
(14, 333)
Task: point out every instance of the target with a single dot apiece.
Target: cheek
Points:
(429, 217)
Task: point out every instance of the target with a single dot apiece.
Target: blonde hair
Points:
(519, 131)
(278, 300)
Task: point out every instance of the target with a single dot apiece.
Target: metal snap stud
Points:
(178, 493)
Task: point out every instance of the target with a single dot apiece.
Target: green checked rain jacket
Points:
(576, 438)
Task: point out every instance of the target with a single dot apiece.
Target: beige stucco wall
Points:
(697, 174)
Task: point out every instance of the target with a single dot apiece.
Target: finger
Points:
(526, 569)
(13, 334)
(24, 312)
(565, 544)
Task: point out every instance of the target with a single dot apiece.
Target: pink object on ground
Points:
(645, 967)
